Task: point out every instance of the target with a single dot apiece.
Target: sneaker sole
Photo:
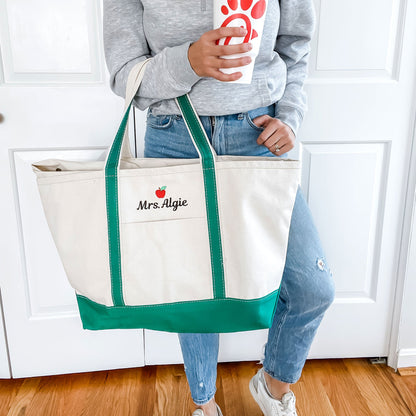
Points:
(255, 394)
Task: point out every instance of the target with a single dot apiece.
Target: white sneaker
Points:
(269, 405)
(200, 412)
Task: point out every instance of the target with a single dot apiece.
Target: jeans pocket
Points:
(159, 122)
(252, 114)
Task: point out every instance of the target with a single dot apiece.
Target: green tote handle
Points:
(120, 149)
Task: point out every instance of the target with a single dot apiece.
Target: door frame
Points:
(396, 355)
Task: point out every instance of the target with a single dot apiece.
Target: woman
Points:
(261, 119)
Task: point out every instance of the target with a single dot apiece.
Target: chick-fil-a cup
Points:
(249, 14)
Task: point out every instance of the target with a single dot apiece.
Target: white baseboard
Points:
(406, 357)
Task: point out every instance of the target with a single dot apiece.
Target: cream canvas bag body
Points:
(178, 245)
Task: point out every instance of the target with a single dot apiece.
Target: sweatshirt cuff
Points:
(290, 116)
(180, 68)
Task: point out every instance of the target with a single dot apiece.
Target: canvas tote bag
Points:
(178, 245)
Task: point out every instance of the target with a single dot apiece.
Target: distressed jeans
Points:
(307, 287)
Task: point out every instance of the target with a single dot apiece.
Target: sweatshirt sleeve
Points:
(168, 75)
(297, 25)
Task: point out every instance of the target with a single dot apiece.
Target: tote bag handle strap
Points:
(120, 148)
(195, 128)
(111, 176)
(133, 83)
(120, 145)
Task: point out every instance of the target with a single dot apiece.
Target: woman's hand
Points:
(204, 54)
(275, 133)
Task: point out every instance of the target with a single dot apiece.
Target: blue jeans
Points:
(307, 287)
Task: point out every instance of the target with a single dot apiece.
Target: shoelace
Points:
(282, 410)
(284, 407)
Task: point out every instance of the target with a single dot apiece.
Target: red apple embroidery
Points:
(256, 12)
(160, 193)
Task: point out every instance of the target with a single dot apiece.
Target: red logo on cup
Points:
(246, 13)
(160, 193)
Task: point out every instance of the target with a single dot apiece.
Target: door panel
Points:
(354, 145)
(56, 103)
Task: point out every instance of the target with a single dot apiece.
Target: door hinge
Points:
(378, 360)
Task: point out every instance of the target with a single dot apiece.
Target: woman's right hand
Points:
(204, 54)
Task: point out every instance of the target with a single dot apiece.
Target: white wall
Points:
(407, 328)
(403, 336)
(408, 325)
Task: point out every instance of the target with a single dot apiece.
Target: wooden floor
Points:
(349, 387)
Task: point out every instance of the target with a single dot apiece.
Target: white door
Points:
(56, 103)
(354, 145)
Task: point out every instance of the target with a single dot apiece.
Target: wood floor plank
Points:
(172, 391)
(339, 385)
(381, 398)
(121, 393)
(8, 391)
(145, 389)
(68, 393)
(235, 394)
(93, 393)
(245, 372)
(26, 393)
(311, 396)
(350, 387)
(232, 396)
(405, 387)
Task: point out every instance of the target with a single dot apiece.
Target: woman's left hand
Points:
(275, 133)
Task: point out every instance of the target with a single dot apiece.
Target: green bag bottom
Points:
(203, 316)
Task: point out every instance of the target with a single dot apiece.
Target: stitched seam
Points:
(215, 202)
(279, 327)
(115, 269)
(206, 204)
(216, 210)
(167, 305)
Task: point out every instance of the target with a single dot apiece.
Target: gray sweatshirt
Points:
(134, 30)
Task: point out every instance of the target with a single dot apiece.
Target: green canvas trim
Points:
(208, 316)
(111, 192)
(211, 199)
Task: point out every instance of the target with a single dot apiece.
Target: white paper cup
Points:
(249, 14)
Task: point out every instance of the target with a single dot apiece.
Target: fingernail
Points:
(249, 46)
